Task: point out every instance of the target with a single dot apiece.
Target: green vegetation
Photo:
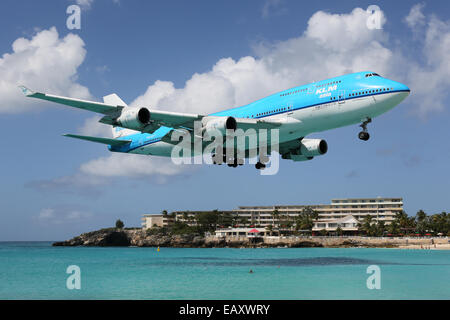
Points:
(305, 221)
(175, 228)
(119, 224)
(209, 221)
(421, 224)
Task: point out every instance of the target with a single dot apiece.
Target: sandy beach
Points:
(438, 246)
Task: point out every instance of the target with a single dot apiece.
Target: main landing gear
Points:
(234, 162)
(261, 164)
(230, 162)
(364, 135)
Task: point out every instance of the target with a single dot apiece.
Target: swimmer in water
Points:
(251, 271)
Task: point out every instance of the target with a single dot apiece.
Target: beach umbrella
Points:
(253, 231)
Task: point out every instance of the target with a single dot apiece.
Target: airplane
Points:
(296, 112)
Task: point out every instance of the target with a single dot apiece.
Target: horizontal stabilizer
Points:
(109, 141)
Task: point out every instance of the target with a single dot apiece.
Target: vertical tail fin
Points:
(114, 99)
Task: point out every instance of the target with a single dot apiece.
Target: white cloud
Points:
(92, 127)
(44, 62)
(85, 4)
(47, 213)
(132, 165)
(415, 16)
(430, 81)
(63, 214)
(273, 7)
(332, 45)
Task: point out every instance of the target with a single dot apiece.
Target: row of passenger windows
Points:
(372, 74)
(292, 92)
(355, 94)
(370, 91)
(270, 112)
(332, 98)
(328, 84)
(305, 89)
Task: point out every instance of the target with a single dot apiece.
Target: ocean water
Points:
(36, 270)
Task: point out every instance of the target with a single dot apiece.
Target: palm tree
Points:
(366, 225)
(243, 221)
(393, 228)
(275, 216)
(421, 216)
(380, 228)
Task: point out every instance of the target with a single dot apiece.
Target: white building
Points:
(240, 232)
(151, 220)
(381, 209)
(347, 224)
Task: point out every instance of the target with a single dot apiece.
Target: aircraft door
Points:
(341, 97)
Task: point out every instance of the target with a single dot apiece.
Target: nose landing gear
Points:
(364, 135)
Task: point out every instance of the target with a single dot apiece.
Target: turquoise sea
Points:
(36, 270)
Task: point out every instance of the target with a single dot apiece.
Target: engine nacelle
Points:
(309, 148)
(135, 119)
(313, 147)
(221, 124)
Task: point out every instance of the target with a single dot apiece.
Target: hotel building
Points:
(343, 213)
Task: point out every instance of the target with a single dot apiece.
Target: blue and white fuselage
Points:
(315, 107)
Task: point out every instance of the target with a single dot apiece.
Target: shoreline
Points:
(139, 238)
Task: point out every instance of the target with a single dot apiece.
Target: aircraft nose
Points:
(402, 87)
(405, 88)
(402, 90)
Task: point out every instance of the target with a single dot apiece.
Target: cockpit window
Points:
(372, 75)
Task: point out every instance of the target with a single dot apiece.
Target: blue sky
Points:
(51, 188)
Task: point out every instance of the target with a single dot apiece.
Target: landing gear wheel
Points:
(364, 135)
(260, 166)
(234, 164)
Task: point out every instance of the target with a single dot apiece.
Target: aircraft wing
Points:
(186, 121)
(114, 111)
(98, 107)
(245, 123)
(174, 119)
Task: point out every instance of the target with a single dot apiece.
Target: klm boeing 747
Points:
(295, 113)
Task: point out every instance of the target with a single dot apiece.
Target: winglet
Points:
(27, 92)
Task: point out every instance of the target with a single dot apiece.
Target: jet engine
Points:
(313, 147)
(309, 148)
(221, 124)
(135, 119)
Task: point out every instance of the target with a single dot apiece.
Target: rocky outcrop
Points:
(100, 238)
(135, 237)
(139, 238)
